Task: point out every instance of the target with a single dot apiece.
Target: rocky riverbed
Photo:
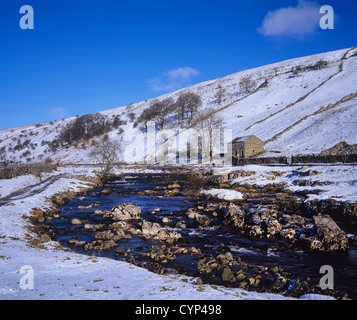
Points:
(271, 240)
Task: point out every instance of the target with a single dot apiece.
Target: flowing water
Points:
(211, 240)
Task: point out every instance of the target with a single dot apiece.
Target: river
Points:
(209, 241)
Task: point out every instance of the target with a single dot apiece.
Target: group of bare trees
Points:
(185, 112)
(183, 109)
(208, 121)
(187, 105)
(83, 127)
(86, 127)
(158, 111)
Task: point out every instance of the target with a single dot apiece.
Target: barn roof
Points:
(242, 139)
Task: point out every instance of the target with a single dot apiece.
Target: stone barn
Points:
(247, 147)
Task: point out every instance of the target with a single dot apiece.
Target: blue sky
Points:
(84, 56)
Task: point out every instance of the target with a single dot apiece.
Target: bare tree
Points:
(209, 124)
(161, 111)
(248, 84)
(220, 94)
(146, 116)
(158, 111)
(105, 154)
(187, 105)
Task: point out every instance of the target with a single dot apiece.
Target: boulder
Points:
(181, 224)
(263, 221)
(253, 218)
(206, 265)
(278, 285)
(330, 234)
(120, 251)
(108, 245)
(227, 274)
(86, 207)
(314, 244)
(100, 245)
(292, 219)
(172, 192)
(169, 237)
(76, 222)
(45, 238)
(194, 251)
(153, 229)
(288, 233)
(109, 235)
(256, 232)
(297, 288)
(166, 220)
(120, 225)
(262, 214)
(352, 239)
(157, 254)
(191, 213)
(150, 228)
(174, 237)
(234, 215)
(104, 235)
(350, 209)
(46, 233)
(163, 234)
(93, 227)
(98, 211)
(226, 258)
(240, 276)
(124, 211)
(200, 219)
(173, 186)
(203, 220)
(273, 228)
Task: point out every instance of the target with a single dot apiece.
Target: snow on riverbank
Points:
(337, 182)
(224, 194)
(7, 187)
(60, 274)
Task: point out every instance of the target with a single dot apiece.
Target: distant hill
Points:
(300, 106)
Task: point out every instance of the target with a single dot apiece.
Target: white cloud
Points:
(182, 74)
(173, 80)
(297, 22)
(58, 113)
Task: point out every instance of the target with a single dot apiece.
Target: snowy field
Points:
(59, 274)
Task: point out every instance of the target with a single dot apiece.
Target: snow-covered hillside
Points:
(299, 106)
